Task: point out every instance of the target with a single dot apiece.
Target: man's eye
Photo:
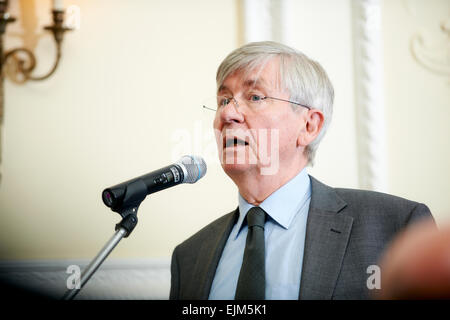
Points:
(255, 98)
(224, 102)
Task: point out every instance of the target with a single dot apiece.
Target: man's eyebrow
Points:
(222, 88)
(250, 83)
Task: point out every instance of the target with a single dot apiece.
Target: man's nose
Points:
(231, 112)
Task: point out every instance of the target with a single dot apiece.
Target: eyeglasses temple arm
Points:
(209, 108)
(309, 108)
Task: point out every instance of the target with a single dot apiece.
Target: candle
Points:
(58, 5)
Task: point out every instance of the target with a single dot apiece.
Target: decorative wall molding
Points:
(135, 279)
(433, 55)
(257, 20)
(266, 20)
(369, 99)
(430, 47)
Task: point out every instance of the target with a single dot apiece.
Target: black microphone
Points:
(189, 169)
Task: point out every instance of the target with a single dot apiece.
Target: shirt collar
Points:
(283, 204)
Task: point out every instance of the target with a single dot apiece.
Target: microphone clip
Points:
(128, 222)
(135, 193)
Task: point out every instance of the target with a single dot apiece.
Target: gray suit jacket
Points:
(346, 232)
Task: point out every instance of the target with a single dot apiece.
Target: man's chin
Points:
(239, 156)
(234, 168)
(234, 162)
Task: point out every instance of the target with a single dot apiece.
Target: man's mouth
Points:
(235, 141)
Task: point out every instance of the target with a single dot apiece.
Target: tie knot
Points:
(256, 217)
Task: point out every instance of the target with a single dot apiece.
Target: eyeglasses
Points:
(253, 101)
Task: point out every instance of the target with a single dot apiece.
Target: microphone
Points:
(189, 169)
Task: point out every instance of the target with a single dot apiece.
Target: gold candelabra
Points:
(24, 59)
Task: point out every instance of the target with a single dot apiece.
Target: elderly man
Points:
(291, 236)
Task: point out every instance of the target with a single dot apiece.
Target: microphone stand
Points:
(135, 194)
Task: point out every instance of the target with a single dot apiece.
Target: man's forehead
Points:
(265, 75)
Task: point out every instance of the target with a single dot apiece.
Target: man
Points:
(291, 236)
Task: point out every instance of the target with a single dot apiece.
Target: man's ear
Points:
(314, 120)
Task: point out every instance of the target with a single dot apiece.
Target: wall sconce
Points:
(25, 67)
(24, 70)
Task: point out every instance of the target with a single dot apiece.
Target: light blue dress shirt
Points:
(284, 233)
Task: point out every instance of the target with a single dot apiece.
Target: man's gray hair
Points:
(304, 79)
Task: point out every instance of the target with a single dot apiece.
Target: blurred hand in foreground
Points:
(417, 264)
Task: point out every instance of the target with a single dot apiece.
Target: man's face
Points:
(257, 140)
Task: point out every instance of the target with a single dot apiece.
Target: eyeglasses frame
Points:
(264, 98)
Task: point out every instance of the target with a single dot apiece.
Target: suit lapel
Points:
(327, 234)
(209, 255)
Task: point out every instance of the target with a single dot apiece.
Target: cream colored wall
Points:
(126, 99)
(133, 75)
(417, 104)
(323, 31)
